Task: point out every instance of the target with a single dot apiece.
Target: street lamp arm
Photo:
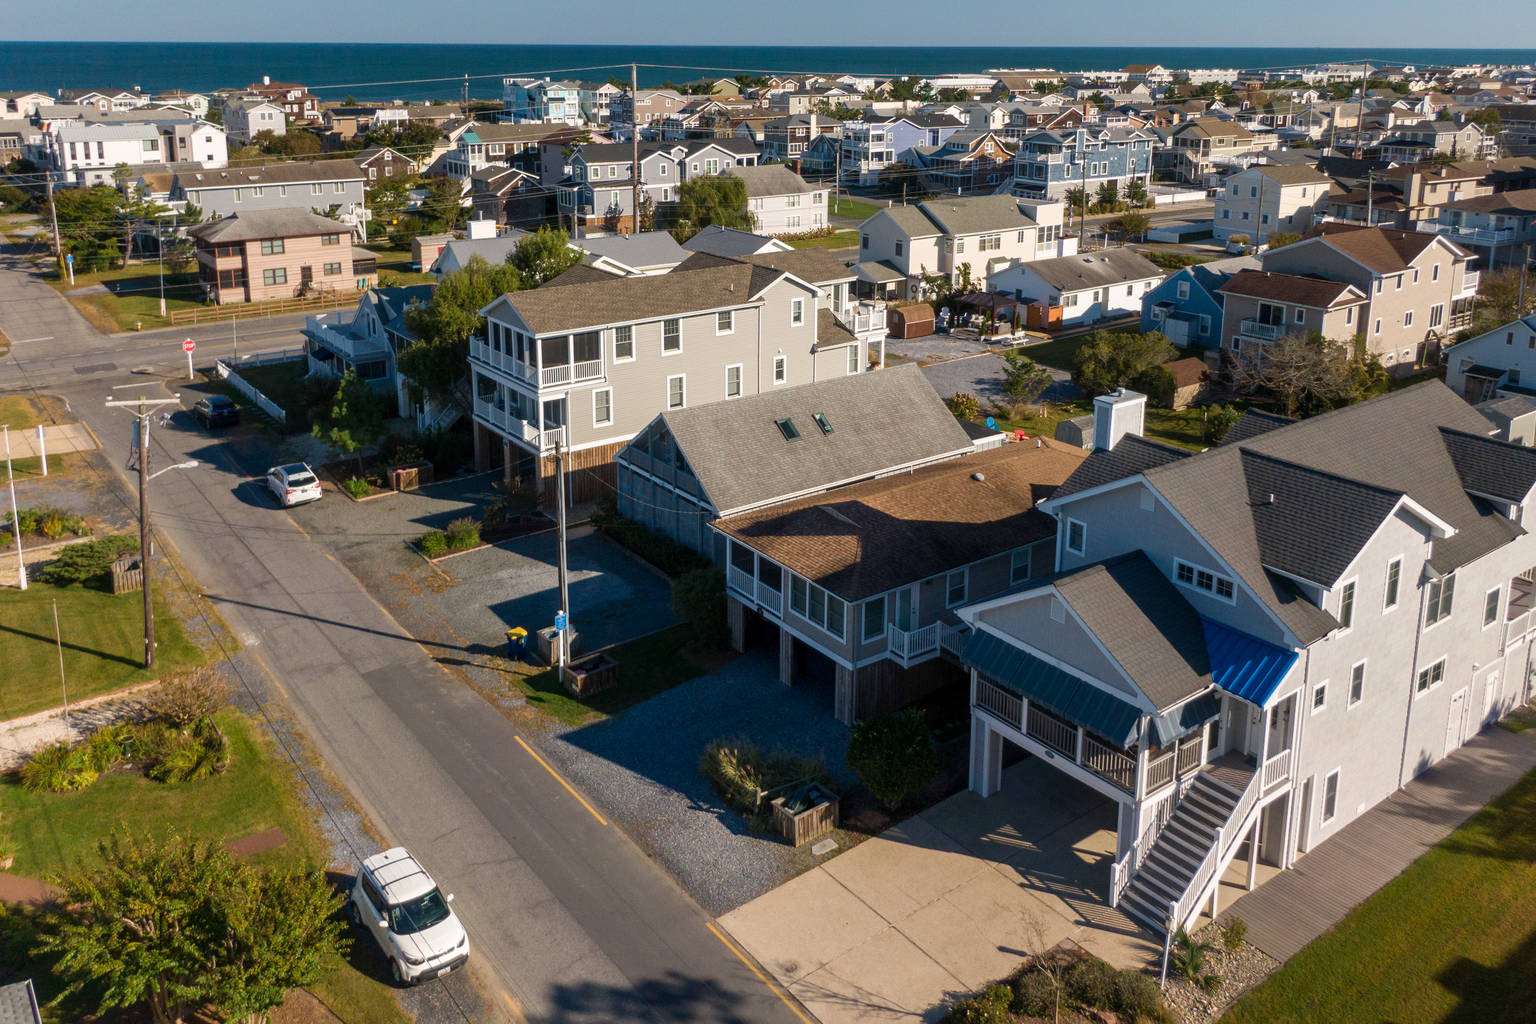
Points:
(189, 464)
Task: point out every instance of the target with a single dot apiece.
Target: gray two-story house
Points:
(1248, 647)
(589, 359)
(322, 185)
(597, 190)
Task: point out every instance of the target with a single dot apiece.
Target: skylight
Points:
(822, 422)
(787, 428)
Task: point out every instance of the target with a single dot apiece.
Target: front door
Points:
(1491, 697)
(906, 609)
(1454, 720)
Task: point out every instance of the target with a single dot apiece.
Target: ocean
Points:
(409, 71)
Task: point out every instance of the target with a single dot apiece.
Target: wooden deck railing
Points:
(252, 310)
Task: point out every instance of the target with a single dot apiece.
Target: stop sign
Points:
(188, 345)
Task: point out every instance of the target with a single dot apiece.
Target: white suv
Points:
(396, 900)
(293, 484)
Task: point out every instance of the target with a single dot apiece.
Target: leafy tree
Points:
(1219, 419)
(1024, 380)
(354, 420)
(647, 212)
(712, 199)
(910, 88)
(1157, 383)
(1136, 192)
(1303, 373)
(88, 224)
(698, 598)
(893, 755)
(1099, 100)
(1488, 119)
(176, 923)
(1112, 360)
(1498, 301)
(435, 361)
(545, 254)
(963, 404)
(1133, 225)
(443, 208)
(1077, 200)
(954, 94)
(1047, 88)
(1278, 238)
(388, 197)
(894, 176)
(1108, 195)
(838, 111)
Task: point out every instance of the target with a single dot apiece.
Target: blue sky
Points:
(1366, 25)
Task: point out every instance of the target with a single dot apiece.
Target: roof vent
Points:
(1271, 500)
(979, 477)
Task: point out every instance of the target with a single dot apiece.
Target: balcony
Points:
(502, 421)
(1252, 328)
(1469, 283)
(1277, 769)
(334, 331)
(753, 590)
(549, 376)
(912, 646)
(570, 373)
(1072, 741)
(1471, 236)
(503, 361)
(862, 319)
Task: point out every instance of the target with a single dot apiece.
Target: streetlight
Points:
(189, 464)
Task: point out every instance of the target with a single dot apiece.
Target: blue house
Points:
(1186, 306)
(1051, 162)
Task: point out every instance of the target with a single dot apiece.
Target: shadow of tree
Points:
(671, 997)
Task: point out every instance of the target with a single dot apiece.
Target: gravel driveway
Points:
(643, 768)
(982, 376)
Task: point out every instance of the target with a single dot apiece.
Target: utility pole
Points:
(53, 215)
(1359, 151)
(142, 408)
(1082, 152)
(1525, 265)
(564, 613)
(21, 564)
(837, 172)
(634, 172)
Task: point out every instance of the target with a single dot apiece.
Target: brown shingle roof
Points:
(1383, 250)
(1293, 174)
(868, 538)
(288, 173)
(1315, 292)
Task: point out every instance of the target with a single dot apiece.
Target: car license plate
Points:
(446, 970)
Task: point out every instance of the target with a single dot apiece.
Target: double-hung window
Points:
(724, 322)
(954, 588)
(671, 336)
(733, 381)
(1330, 796)
(779, 372)
(1356, 684)
(1394, 578)
(1077, 536)
(602, 407)
(676, 393)
(1018, 565)
(796, 312)
(271, 246)
(275, 275)
(1491, 607)
(874, 618)
(1430, 677)
(1347, 605)
(623, 344)
(1438, 604)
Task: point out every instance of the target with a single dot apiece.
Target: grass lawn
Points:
(1042, 422)
(1520, 719)
(846, 206)
(395, 268)
(133, 299)
(281, 382)
(1183, 428)
(103, 638)
(22, 412)
(53, 832)
(647, 666)
(836, 240)
(1451, 939)
(1057, 354)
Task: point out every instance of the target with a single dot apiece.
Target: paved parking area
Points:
(946, 902)
(642, 766)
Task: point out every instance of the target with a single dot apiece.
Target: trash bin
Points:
(517, 641)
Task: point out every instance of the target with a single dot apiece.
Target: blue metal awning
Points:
(1185, 719)
(1059, 691)
(1243, 665)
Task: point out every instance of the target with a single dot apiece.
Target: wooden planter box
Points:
(410, 476)
(127, 574)
(592, 674)
(816, 820)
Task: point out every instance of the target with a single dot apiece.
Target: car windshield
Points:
(300, 479)
(220, 403)
(419, 914)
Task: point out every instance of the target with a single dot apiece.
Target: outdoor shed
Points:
(914, 321)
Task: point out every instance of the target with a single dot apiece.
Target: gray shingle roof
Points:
(18, 1004)
(645, 249)
(1254, 422)
(880, 420)
(959, 216)
(814, 266)
(771, 180)
(1131, 456)
(1095, 270)
(290, 173)
(252, 224)
(1490, 466)
(1145, 624)
(723, 241)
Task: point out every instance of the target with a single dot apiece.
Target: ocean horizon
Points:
(420, 71)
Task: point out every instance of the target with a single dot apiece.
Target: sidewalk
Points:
(57, 440)
(1296, 906)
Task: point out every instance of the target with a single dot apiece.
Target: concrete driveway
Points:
(946, 902)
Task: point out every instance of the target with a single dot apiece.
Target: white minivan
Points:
(396, 900)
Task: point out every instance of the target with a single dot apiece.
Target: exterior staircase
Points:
(1183, 847)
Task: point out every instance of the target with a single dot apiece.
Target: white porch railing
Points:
(1052, 731)
(570, 373)
(1109, 764)
(482, 352)
(1000, 702)
(768, 597)
(1160, 772)
(741, 581)
(1158, 816)
(1251, 328)
(1190, 753)
(1469, 282)
(910, 644)
(952, 638)
(1276, 769)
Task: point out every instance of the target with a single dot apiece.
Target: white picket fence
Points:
(228, 369)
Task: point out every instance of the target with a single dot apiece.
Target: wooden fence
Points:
(254, 310)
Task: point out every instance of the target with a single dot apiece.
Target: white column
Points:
(986, 757)
(1253, 851)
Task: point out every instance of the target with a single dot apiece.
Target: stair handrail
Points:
(1221, 845)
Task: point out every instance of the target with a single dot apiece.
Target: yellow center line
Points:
(568, 787)
(776, 990)
(516, 1010)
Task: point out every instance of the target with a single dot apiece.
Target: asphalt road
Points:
(569, 919)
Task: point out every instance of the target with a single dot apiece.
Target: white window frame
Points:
(1391, 596)
(609, 421)
(1497, 593)
(682, 390)
(796, 312)
(864, 609)
(737, 367)
(728, 316)
(1351, 698)
(1318, 690)
(1327, 814)
(1439, 616)
(671, 351)
(949, 587)
(1434, 672)
(854, 363)
(1349, 588)
(630, 341)
(1014, 576)
(1196, 572)
(780, 370)
(1082, 536)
